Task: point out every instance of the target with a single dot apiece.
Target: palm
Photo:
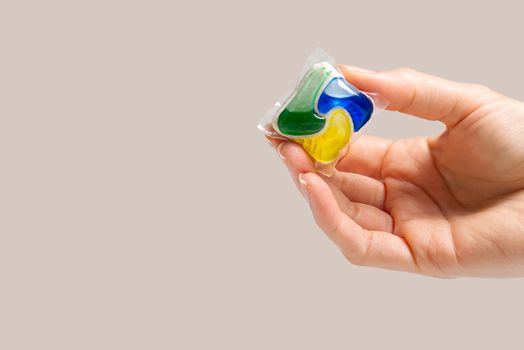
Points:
(445, 234)
(447, 195)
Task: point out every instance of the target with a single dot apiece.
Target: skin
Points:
(445, 206)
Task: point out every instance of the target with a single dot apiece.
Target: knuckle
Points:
(337, 230)
(406, 72)
(355, 211)
(354, 259)
(480, 89)
(340, 180)
(357, 252)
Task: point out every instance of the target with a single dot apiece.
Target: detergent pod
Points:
(324, 113)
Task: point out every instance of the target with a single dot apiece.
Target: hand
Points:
(447, 206)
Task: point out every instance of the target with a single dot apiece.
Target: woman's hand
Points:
(446, 206)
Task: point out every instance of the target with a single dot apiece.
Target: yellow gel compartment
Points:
(326, 146)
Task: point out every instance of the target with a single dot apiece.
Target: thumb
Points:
(420, 94)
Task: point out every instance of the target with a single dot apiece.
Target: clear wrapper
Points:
(324, 113)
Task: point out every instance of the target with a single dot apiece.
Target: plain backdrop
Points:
(141, 209)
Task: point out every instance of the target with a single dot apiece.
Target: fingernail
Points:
(356, 69)
(303, 186)
(279, 150)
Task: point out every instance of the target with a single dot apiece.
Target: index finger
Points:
(420, 94)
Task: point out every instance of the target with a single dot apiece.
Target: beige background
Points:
(141, 209)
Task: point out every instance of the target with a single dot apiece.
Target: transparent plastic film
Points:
(324, 113)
